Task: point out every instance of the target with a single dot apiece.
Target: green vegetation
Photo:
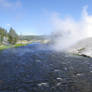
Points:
(2, 47)
(10, 37)
(3, 33)
(19, 45)
(34, 37)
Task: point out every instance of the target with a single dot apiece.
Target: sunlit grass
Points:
(3, 47)
(19, 45)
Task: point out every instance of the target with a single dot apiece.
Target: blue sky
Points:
(34, 16)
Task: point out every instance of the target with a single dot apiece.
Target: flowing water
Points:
(37, 68)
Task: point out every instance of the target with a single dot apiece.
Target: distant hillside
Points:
(33, 37)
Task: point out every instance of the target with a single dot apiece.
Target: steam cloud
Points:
(69, 31)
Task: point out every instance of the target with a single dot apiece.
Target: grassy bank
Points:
(3, 47)
(19, 45)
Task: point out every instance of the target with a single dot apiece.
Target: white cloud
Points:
(8, 4)
(70, 30)
(8, 25)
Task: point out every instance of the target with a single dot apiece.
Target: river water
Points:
(37, 68)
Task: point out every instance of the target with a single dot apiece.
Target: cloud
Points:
(69, 31)
(8, 4)
(8, 25)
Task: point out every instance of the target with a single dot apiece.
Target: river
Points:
(37, 68)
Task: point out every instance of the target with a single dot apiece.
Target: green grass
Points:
(3, 47)
(19, 45)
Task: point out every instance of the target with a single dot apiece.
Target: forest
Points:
(8, 37)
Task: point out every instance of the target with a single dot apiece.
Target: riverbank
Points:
(3, 47)
(82, 48)
(23, 43)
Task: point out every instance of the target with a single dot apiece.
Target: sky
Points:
(30, 17)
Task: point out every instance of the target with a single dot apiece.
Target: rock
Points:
(79, 74)
(43, 84)
(82, 48)
(58, 84)
(59, 79)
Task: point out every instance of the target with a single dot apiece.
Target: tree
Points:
(13, 37)
(3, 33)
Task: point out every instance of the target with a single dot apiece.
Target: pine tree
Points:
(3, 33)
(13, 37)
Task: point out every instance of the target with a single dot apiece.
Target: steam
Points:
(69, 31)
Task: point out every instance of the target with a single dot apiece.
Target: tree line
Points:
(11, 37)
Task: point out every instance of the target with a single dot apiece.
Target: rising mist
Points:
(68, 31)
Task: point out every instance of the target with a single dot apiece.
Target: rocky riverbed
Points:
(37, 68)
